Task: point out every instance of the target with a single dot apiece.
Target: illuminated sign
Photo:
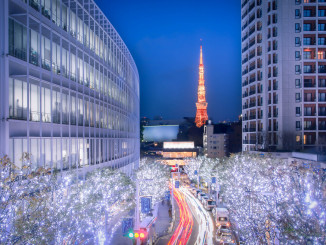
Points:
(179, 145)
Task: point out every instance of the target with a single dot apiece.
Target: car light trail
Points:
(206, 225)
(183, 231)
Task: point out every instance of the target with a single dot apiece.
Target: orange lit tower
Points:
(201, 114)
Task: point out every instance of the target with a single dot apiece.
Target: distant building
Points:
(215, 143)
(179, 150)
(220, 140)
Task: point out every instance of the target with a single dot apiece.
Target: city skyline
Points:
(175, 38)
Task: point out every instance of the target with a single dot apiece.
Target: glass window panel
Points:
(34, 47)
(34, 102)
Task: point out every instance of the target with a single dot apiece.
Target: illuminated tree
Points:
(270, 200)
(39, 208)
(153, 178)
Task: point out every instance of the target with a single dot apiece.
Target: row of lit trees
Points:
(270, 201)
(37, 207)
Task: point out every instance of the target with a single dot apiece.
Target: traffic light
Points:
(138, 234)
(174, 169)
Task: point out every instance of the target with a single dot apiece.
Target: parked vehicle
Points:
(197, 192)
(201, 195)
(204, 199)
(222, 216)
(209, 204)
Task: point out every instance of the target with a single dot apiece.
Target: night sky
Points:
(163, 37)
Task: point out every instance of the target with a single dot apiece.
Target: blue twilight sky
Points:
(163, 36)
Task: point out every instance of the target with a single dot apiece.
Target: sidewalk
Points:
(167, 222)
(164, 220)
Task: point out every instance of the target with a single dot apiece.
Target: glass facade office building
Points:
(69, 90)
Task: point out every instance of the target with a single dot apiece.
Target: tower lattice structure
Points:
(201, 114)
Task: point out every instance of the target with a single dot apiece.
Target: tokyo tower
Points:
(201, 114)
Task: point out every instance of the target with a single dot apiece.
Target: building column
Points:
(4, 81)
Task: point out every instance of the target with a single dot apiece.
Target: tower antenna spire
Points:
(201, 114)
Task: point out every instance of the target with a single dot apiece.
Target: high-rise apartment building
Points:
(69, 87)
(283, 74)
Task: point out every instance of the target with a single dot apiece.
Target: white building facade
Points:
(215, 144)
(283, 74)
(69, 91)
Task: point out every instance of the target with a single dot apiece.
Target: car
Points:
(209, 204)
(204, 199)
(201, 195)
(197, 192)
(224, 235)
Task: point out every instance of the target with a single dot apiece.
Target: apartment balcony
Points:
(245, 83)
(251, 18)
(245, 37)
(252, 55)
(309, 83)
(252, 104)
(245, 72)
(252, 129)
(251, 6)
(322, 69)
(244, 3)
(322, 127)
(252, 43)
(244, 95)
(252, 92)
(245, 130)
(251, 80)
(251, 30)
(245, 118)
(244, 60)
(252, 68)
(245, 49)
(252, 117)
(310, 127)
(275, 87)
(309, 99)
(322, 83)
(245, 106)
(252, 142)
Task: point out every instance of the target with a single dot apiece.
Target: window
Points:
(298, 139)
(297, 83)
(34, 102)
(322, 27)
(298, 111)
(307, 41)
(297, 41)
(297, 55)
(297, 69)
(307, 13)
(297, 13)
(307, 55)
(17, 99)
(308, 69)
(297, 27)
(17, 40)
(321, 41)
(297, 97)
(307, 27)
(298, 125)
(34, 47)
(46, 53)
(321, 12)
(297, 2)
